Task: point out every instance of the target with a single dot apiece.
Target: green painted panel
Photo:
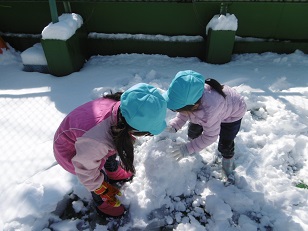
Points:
(276, 20)
(271, 20)
(270, 46)
(172, 49)
(24, 17)
(146, 18)
(65, 57)
(219, 46)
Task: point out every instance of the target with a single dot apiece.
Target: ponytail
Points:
(124, 143)
(122, 139)
(216, 85)
(115, 96)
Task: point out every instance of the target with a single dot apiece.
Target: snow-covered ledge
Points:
(146, 37)
(64, 29)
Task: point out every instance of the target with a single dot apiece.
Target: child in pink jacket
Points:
(90, 138)
(213, 111)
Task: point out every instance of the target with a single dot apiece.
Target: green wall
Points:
(275, 20)
(285, 22)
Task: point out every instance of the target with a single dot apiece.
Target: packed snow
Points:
(64, 28)
(34, 55)
(271, 148)
(222, 22)
(270, 191)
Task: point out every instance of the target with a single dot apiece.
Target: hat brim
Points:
(161, 128)
(172, 105)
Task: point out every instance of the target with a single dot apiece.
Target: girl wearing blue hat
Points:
(90, 138)
(212, 110)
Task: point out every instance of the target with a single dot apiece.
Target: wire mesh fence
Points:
(28, 122)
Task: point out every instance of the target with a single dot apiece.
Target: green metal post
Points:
(67, 7)
(53, 11)
(223, 8)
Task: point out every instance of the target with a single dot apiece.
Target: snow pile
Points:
(222, 22)
(34, 55)
(64, 29)
(270, 153)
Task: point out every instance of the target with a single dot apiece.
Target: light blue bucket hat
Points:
(185, 89)
(144, 108)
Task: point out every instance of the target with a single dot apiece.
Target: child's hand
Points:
(179, 152)
(171, 129)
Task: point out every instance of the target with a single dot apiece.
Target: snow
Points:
(270, 153)
(147, 37)
(64, 28)
(222, 22)
(34, 55)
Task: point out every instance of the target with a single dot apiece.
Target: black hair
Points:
(216, 85)
(188, 107)
(115, 96)
(123, 140)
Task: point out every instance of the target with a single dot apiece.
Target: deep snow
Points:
(271, 148)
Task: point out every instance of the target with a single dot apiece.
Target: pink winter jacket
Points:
(83, 141)
(213, 110)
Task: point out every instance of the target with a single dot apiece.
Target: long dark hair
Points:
(123, 140)
(216, 85)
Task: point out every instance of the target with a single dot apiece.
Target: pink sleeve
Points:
(211, 128)
(179, 121)
(209, 136)
(88, 161)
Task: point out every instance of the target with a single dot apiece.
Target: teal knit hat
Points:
(144, 108)
(185, 89)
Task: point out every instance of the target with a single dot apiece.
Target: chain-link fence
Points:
(28, 122)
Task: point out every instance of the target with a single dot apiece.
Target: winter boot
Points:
(228, 166)
(119, 175)
(107, 210)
